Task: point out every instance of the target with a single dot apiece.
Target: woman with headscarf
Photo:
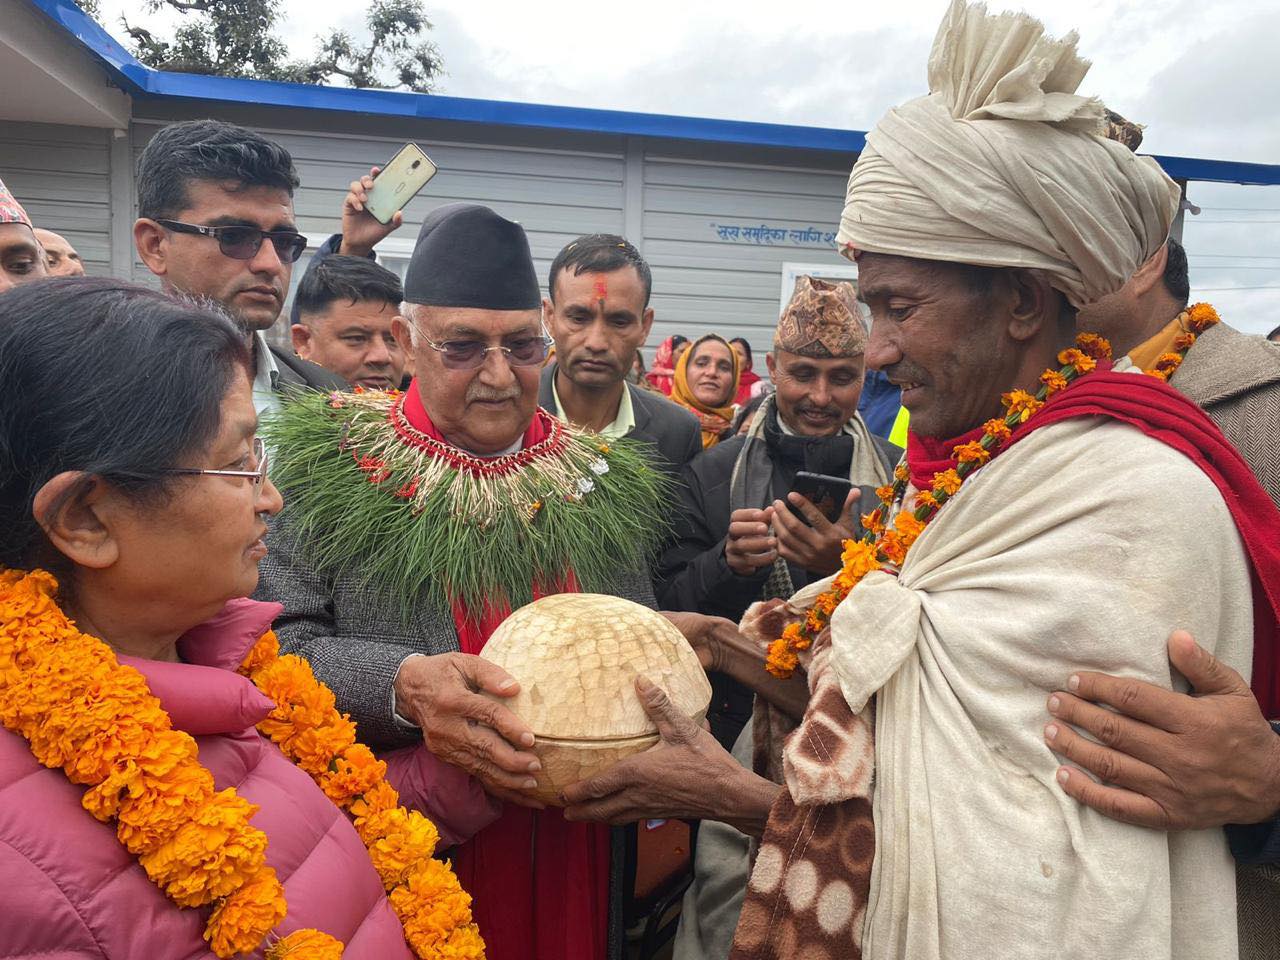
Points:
(662, 376)
(749, 385)
(706, 380)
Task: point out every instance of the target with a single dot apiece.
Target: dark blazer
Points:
(296, 372)
(670, 429)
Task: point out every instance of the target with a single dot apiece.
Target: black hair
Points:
(745, 346)
(1274, 334)
(600, 253)
(207, 150)
(745, 413)
(351, 279)
(107, 378)
(1176, 278)
(677, 341)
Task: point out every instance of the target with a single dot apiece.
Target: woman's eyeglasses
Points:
(243, 243)
(469, 354)
(258, 474)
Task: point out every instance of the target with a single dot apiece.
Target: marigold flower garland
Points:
(884, 544)
(81, 710)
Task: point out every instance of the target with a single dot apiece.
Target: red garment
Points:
(662, 374)
(540, 884)
(747, 380)
(1160, 411)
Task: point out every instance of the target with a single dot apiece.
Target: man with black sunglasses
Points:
(216, 221)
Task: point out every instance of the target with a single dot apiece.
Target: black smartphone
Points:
(828, 494)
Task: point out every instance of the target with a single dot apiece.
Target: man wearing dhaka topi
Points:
(1052, 515)
(417, 521)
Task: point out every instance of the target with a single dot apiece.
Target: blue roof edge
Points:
(144, 82)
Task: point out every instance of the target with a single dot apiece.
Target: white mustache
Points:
(478, 392)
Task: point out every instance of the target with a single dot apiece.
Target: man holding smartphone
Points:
(735, 539)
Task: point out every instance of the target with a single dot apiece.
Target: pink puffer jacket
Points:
(69, 889)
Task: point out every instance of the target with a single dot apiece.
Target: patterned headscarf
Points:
(822, 321)
(10, 209)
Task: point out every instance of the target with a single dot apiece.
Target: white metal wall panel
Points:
(62, 176)
(717, 235)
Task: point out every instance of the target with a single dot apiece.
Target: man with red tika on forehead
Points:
(1055, 513)
(416, 522)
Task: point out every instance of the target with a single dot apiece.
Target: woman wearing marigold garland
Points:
(141, 814)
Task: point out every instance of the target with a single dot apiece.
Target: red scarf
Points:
(1163, 413)
(540, 884)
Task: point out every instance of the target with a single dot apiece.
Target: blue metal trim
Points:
(144, 82)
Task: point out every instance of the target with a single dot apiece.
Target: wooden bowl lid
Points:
(577, 655)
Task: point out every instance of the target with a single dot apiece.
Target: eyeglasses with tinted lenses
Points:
(258, 474)
(243, 242)
(469, 354)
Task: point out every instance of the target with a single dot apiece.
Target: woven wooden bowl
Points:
(577, 656)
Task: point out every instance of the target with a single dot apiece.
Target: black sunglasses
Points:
(243, 243)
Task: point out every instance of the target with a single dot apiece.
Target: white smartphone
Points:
(400, 180)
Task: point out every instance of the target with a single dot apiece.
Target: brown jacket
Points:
(1235, 379)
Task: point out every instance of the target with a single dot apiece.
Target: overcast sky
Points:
(1203, 77)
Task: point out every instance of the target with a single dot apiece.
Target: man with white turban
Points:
(922, 815)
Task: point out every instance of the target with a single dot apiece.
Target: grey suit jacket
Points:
(671, 430)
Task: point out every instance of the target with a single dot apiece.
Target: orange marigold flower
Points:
(827, 603)
(858, 559)
(782, 660)
(885, 493)
(408, 840)
(893, 548)
(1158, 374)
(353, 772)
(946, 481)
(1021, 404)
(908, 528)
(972, 452)
(873, 521)
(1054, 381)
(901, 474)
(1098, 348)
(305, 945)
(241, 921)
(264, 651)
(997, 430)
(1078, 359)
(925, 498)
(1184, 341)
(1201, 316)
(1168, 362)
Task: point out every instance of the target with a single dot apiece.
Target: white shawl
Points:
(1080, 548)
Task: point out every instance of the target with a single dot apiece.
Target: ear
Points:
(75, 516)
(1033, 303)
(300, 333)
(768, 362)
(1150, 272)
(152, 243)
(646, 321)
(404, 337)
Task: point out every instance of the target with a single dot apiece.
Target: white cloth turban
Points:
(1001, 165)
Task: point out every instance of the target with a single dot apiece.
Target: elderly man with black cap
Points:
(416, 521)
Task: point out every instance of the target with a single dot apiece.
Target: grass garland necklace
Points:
(81, 710)
(884, 544)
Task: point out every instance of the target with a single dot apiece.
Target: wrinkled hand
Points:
(361, 231)
(703, 633)
(815, 547)
(1168, 760)
(686, 775)
(443, 695)
(750, 545)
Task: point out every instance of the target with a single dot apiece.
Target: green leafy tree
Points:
(237, 38)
